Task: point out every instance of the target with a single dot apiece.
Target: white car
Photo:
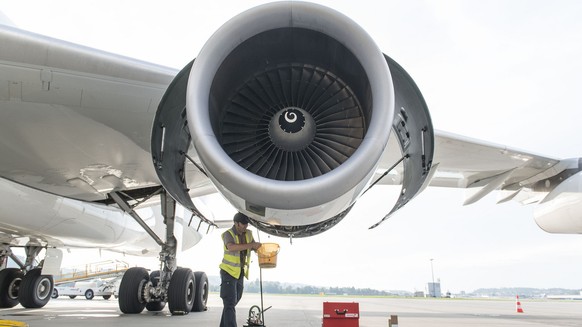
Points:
(89, 289)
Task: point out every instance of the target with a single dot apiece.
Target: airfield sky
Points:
(507, 72)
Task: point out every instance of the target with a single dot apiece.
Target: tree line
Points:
(283, 288)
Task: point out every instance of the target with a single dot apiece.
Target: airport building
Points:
(433, 289)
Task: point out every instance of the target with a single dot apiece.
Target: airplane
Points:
(290, 111)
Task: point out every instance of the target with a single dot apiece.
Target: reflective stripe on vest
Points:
(231, 260)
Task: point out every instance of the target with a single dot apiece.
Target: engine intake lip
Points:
(202, 119)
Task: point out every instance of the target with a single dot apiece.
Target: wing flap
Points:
(492, 185)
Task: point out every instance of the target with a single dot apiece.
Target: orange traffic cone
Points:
(518, 304)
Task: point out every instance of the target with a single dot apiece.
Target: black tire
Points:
(10, 281)
(54, 294)
(155, 306)
(89, 294)
(131, 290)
(72, 296)
(201, 295)
(106, 297)
(35, 289)
(181, 291)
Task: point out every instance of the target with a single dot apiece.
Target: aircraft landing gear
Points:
(10, 280)
(183, 290)
(25, 285)
(132, 289)
(35, 289)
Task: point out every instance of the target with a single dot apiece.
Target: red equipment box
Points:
(341, 314)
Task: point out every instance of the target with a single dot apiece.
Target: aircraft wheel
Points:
(89, 294)
(201, 295)
(54, 294)
(181, 291)
(155, 305)
(155, 277)
(106, 297)
(72, 296)
(131, 290)
(10, 281)
(35, 289)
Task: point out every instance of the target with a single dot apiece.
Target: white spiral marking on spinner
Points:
(290, 119)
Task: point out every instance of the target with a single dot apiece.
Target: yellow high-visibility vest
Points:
(231, 260)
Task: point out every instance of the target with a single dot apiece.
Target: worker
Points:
(235, 265)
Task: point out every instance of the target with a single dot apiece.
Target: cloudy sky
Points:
(508, 72)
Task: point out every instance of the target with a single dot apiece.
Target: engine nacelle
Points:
(289, 108)
(561, 210)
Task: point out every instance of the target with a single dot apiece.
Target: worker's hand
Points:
(256, 246)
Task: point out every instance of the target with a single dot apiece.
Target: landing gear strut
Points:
(179, 287)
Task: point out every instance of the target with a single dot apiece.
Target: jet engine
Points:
(288, 110)
(559, 211)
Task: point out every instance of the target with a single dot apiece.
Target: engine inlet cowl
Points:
(290, 106)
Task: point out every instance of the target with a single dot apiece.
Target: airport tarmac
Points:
(295, 311)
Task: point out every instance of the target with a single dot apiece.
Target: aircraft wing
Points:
(467, 163)
(75, 121)
(482, 167)
(552, 184)
(75, 125)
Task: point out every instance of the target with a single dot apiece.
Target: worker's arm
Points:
(241, 247)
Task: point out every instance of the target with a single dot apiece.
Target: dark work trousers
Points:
(231, 290)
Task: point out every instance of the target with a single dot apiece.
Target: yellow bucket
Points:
(268, 255)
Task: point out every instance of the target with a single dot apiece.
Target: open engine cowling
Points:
(289, 107)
